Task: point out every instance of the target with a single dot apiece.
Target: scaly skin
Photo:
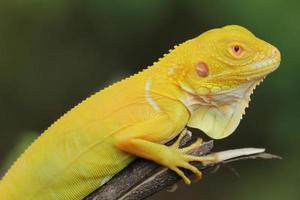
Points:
(204, 83)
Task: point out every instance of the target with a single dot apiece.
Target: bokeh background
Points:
(55, 53)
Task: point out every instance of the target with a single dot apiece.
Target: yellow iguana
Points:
(203, 83)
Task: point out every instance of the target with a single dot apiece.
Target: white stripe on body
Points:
(149, 98)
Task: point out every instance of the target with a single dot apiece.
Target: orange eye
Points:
(237, 50)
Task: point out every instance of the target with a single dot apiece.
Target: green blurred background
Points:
(55, 53)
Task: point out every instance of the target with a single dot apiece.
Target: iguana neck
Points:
(218, 99)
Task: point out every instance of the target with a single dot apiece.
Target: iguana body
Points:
(203, 83)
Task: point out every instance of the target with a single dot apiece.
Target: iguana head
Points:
(218, 71)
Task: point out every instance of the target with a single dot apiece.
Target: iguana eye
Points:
(237, 50)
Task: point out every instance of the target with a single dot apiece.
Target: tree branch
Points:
(142, 178)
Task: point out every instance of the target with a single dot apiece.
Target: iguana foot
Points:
(177, 158)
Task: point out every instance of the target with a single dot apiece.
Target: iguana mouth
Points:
(260, 69)
(265, 63)
(263, 67)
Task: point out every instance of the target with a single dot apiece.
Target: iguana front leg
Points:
(143, 139)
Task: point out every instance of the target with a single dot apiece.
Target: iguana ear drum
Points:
(202, 69)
